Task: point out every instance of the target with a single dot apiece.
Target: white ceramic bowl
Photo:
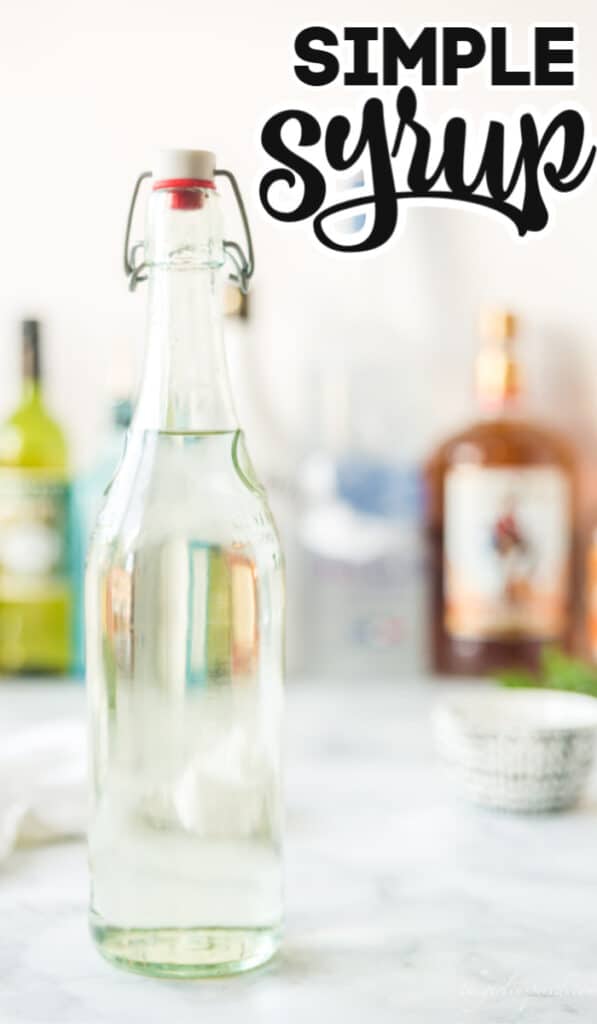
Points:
(518, 750)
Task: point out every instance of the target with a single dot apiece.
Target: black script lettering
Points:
(313, 181)
(373, 137)
(534, 210)
(406, 107)
(492, 187)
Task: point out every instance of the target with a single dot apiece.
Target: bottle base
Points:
(185, 952)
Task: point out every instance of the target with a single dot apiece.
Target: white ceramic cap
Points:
(183, 163)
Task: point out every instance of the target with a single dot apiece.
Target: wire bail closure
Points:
(244, 264)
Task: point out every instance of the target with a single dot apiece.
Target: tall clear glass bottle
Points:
(184, 609)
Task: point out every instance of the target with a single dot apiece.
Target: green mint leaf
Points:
(516, 677)
(561, 672)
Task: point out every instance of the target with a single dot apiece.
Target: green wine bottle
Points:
(35, 587)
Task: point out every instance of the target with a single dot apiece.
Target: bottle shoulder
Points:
(244, 467)
(185, 485)
(31, 438)
(503, 442)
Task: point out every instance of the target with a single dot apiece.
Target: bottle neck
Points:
(185, 387)
(498, 381)
(31, 355)
(31, 391)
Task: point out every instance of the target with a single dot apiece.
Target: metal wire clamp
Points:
(244, 264)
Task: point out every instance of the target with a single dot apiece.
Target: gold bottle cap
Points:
(497, 324)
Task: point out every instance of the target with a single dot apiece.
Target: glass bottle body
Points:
(184, 610)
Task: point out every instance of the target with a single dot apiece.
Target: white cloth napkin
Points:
(42, 784)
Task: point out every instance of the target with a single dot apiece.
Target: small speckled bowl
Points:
(518, 750)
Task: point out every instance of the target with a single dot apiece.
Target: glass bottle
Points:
(501, 518)
(184, 609)
(362, 550)
(35, 571)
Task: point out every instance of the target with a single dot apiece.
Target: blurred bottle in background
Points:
(501, 520)
(364, 579)
(591, 598)
(88, 493)
(36, 602)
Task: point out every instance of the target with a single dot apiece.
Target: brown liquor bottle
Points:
(501, 501)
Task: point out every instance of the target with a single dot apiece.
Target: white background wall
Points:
(86, 89)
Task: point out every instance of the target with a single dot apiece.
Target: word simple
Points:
(378, 54)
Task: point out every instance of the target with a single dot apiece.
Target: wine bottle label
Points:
(507, 553)
(33, 529)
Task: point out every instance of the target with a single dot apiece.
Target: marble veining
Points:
(403, 904)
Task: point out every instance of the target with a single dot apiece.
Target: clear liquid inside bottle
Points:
(185, 840)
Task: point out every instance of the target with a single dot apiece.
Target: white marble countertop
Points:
(402, 904)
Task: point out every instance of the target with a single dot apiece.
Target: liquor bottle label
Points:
(33, 529)
(507, 552)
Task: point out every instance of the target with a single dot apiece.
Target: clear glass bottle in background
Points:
(184, 596)
(501, 523)
(89, 489)
(35, 570)
(363, 559)
(360, 529)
